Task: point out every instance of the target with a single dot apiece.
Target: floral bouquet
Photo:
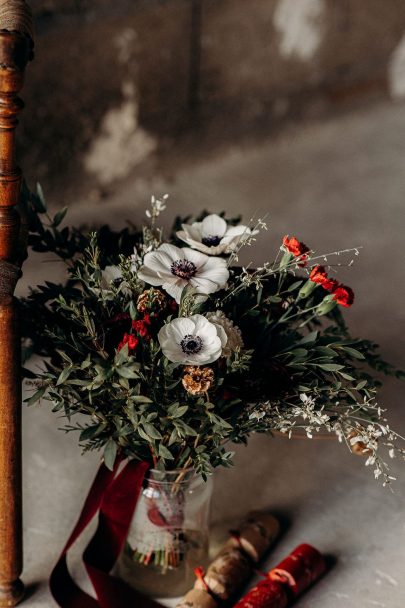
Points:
(166, 350)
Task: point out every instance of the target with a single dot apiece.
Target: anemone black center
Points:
(211, 241)
(191, 345)
(184, 269)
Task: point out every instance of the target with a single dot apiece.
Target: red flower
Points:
(173, 306)
(343, 295)
(318, 275)
(294, 246)
(141, 326)
(129, 339)
(330, 285)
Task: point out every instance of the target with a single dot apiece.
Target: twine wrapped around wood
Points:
(234, 563)
(197, 598)
(9, 275)
(230, 570)
(256, 534)
(16, 16)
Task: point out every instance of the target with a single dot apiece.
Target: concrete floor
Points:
(335, 184)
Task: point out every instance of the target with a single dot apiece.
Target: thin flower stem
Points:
(285, 318)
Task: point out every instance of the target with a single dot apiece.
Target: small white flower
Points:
(157, 206)
(232, 332)
(110, 274)
(213, 236)
(192, 340)
(309, 401)
(111, 277)
(174, 268)
(257, 415)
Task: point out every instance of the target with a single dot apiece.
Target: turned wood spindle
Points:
(16, 43)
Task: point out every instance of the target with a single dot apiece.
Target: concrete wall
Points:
(119, 86)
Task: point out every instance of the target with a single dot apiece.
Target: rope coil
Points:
(16, 16)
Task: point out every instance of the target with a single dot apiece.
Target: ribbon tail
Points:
(64, 590)
(115, 518)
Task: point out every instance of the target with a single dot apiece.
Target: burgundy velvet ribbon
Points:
(114, 497)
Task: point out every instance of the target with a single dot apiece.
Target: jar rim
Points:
(170, 476)
(172, 471)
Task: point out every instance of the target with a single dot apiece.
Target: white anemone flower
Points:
(111, 277)
(192, 340)
(213, 236)
(174, 268)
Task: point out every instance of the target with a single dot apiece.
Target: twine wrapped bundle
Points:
(198, 598)
(234, 563)
(229, 570)
(255, 535)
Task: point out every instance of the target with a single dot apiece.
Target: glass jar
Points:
(168, 536)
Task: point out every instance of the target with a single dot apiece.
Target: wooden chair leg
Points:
(15, 51)
(11, 588)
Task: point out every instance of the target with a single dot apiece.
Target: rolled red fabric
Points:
(288, 580)
(300, 569)
(113, 495)
(266, 594)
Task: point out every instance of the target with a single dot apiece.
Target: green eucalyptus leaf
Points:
(294, 286)
(353, 352)
(346, 376)
(36, 396)
(299, 352)
(40, 202)
(151, 431)
(141, 399)
(127, 372)
(329, 367)
(110, 454)
(179, 411)
(64, 375)
(174, 437)
(164, 452)
(59, 217)
(309, 339)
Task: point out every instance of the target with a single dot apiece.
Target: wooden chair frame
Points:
(15, 52)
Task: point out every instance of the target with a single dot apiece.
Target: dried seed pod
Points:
(359, 448)
(151, 300)
(197, 380)
(197, 598)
